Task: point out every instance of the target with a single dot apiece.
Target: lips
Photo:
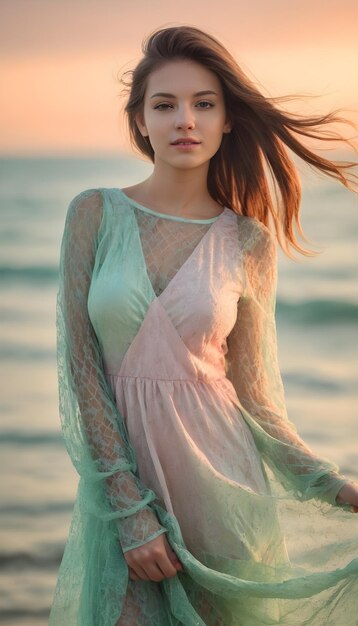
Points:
(184, 141)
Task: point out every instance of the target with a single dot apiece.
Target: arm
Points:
(94, 431)
(254, 371)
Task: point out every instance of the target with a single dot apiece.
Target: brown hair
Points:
(257, 144)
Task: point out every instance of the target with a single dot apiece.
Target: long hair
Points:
(255, 152)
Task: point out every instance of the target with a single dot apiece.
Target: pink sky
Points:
(59, 61)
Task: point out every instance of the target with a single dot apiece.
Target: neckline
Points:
(146, 209)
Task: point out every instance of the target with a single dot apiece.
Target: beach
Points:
(317, 323)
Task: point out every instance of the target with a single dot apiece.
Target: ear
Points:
(139, 118)
(227, 127)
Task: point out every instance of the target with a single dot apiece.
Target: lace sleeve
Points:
(253, 369)
(94, 431)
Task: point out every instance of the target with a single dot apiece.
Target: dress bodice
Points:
(192, 267)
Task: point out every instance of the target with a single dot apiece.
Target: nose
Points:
(184, 118)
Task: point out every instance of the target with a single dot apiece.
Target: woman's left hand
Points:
(349, 495)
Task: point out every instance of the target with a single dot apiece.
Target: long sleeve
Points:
(253, 368)
(94, 431)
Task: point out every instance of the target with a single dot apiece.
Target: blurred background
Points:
(62, 131)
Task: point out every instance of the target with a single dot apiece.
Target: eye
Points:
(162, 105)
(205, 102)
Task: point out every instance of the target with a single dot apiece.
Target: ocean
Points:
(317, 324)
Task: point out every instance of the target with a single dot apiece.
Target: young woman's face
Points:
(181, 111)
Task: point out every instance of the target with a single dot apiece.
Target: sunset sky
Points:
(60, 58)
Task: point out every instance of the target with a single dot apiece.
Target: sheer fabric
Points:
(173, 413)
(254, 371)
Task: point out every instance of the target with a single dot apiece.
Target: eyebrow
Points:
(170, 95)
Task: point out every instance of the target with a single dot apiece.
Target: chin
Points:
(188, 166)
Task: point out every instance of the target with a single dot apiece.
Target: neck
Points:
(181, 192)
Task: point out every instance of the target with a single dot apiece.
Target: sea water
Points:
(317, 324)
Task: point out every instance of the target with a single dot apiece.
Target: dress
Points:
(173, 413)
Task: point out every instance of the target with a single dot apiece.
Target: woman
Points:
(198, 502)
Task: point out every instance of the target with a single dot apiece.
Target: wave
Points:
(312, 311)
(31, 560)
(30, 438)
(29, 273)
(301, 379)
(317, 311)
(20, 352)
(37, 509)
(28, 613)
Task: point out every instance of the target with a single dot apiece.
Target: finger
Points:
(137, 567)
(174, 559)
(178, 563)
(132, 574)
(172, 555)
(140, 572)
(155, 572)
(166, 566)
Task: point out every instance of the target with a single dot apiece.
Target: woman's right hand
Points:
(154, 560)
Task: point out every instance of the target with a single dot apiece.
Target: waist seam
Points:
(168, 380)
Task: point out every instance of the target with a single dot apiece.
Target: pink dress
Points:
(172, 360)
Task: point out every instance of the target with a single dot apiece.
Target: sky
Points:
(60, 61)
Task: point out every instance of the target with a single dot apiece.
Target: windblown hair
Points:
(255, 152)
